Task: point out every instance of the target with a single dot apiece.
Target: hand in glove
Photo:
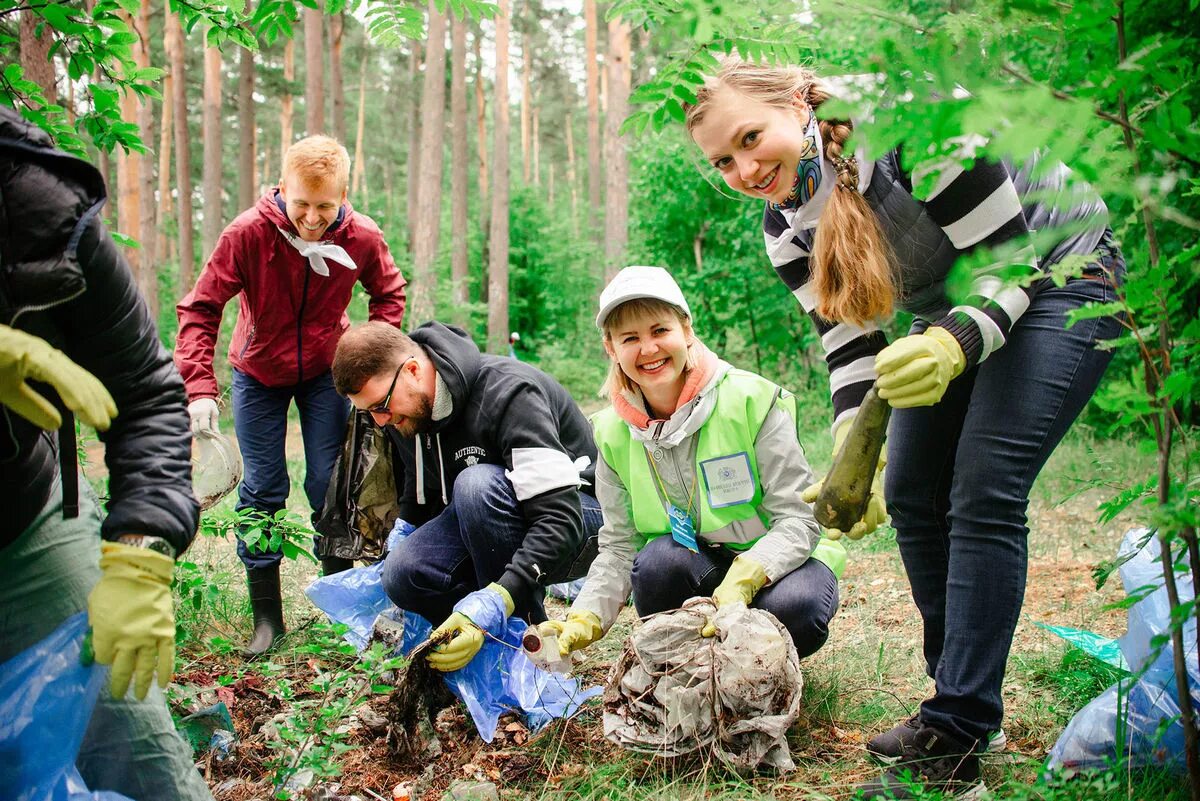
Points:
(204, 413)
(484, 606)
(24, 356)
(132, 615)
(915, 370)
(742, 582)
(876, 513)
(578, 631)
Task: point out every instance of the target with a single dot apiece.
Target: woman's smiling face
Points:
(755, 146)
(652, 350)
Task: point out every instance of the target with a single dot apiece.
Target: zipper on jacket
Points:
(300, 328)
(249, 339)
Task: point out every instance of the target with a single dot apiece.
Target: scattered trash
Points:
(673, 691)
(543, 651)
(1103, 648)
(471, 791)
(199, 728)
(567, 590)
(300, 781)
(222, 741)
(216, 467)
(1142, 715)
(413, 706)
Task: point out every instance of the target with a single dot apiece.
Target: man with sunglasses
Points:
(499, 464)
(294, 258)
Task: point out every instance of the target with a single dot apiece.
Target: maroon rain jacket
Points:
(290, 318)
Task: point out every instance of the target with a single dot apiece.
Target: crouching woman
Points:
(699, 477)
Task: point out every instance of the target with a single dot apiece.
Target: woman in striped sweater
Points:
(983, 391)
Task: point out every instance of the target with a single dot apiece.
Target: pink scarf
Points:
(697, 378)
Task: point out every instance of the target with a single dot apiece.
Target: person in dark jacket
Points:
(295, 258)
(499, 467)
(72, 321)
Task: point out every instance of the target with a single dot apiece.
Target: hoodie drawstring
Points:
(420, 471)
(441, 470)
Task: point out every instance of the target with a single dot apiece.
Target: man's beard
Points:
(419, 422)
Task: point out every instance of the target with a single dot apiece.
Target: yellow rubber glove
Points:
(132, 616)
(467, 637)
(742, 582)
(24, 356)
(579, 630)
(915, 370)
(876, 513)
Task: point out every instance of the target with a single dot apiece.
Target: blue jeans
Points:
(469, 545)
(665, 574)
(260, 420)
(957, 485)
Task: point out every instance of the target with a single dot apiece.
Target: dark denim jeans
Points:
(665, 574)
(469, 545)
(957, 485)
(260, 420)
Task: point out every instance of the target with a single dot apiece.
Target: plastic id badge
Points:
(683, 530)
(728, 480)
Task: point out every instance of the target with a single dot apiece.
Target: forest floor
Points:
(867, 677)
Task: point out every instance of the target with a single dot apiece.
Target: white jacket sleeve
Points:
(609, 579)
(792, 532)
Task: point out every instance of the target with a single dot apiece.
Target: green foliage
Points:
(282, 531)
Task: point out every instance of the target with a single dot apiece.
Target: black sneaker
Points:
(932, 760)
(888, 747)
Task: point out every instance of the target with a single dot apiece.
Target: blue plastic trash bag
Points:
(1142, 715)
(356, 597)
(568, 590)
(46, 701)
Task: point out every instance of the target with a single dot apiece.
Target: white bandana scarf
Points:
(317, 252)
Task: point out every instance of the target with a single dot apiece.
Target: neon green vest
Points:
(727, 504)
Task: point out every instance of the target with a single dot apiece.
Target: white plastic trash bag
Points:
(216, 467)
(673, 691)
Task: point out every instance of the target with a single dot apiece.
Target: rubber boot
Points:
(334, 564)
(267, 605)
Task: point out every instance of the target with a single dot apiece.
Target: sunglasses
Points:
(383, 406)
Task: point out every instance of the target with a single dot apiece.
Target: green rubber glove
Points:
(915, 370)
(467, 637)
(742, 582)
(876, 513)
(132, 616)
(24, 356)
(579, 630)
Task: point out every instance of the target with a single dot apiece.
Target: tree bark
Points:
(162, 242)
(422, 294)
(337, 30)
(571, 177)
(498, 246)
(481, 133)
(414, 141)
(526, 106)
(183, 152)
(286, 103)
(35, 55)
(616, 213)
(314, 71)
(211, 172)
(458, 167)
(147, 269)
(247, 149)
(593, 213)
(358, 181)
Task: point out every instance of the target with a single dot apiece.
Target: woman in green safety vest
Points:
(700, 476)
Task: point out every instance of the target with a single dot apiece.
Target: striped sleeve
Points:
(979, 207)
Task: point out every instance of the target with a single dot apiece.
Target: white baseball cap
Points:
(640, 282)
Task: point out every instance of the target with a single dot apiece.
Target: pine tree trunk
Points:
(35, 55)
(537, 148)
(422, 291)
(246, 131)
(414, 141)
(482, 150)
(571, 177)
(458, 167)
(183, 152)
(337, 30)
(498, 247)
(147, 270)
(358, 182)
(616, 214)
(526, 104)
(314, 71)
(593, 212)
(162, 246)
(211, 173)
(286, 105)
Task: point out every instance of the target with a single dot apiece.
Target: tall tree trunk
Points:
(211, 131)
(314, 71)
(337, 30)
(498, 248)
(422, 293)
(537, 148)
(35, 55)
(481, 133)
(414, 141)
(592, 214)
(147, 271)
(129, 180)
(458, 166)
(571, 177)
(247, 149)
(526, 104)
(71, 111)
(162, 242)
(616, 214)
(286, 104)
(183, 152)
(358, 182)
